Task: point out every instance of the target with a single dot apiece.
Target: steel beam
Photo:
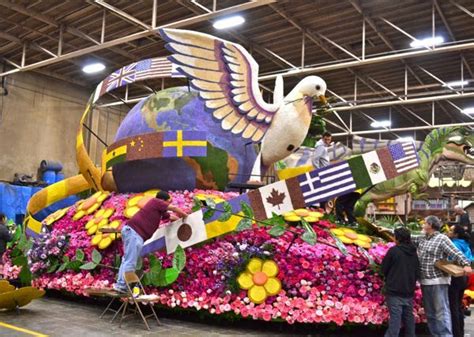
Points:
(405, 102)
(139, 35)
(412, 128)
(371, 60)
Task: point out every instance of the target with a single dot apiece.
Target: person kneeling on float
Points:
(139, 229)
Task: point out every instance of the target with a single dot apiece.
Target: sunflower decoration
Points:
(53, 217)
(90, 205)
(202, 197)
(259, 278)
(103, 240)
(302, 214)
(135, 203)
(350, 236)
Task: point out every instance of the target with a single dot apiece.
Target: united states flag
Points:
(327, 183)
(155, 67)
(404, 156)
(121, 77)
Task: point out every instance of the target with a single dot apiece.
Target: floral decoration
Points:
(259, 279)
(350, 236)
(90, 205)
(302, 214)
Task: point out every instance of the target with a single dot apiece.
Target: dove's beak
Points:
(323, 99)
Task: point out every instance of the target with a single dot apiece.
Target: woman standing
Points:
(461, 240)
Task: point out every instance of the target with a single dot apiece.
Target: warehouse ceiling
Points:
(360, 47)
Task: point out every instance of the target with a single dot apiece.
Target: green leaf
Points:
(209, 213)
(224, 217)
(340, 245)
(309, 237)
(96, 257)
(197, 204)
(65, 259)
(139, 264)
(244, 224)
(79, 255)
(20, 260)
(74, 265)
(227, 207)
(155, 264)
(276, 220)
(88, 266)
(248, 211)
(25, 276)
(53, 267)
(179, 258)
(117, 261)
(62, 267)
(210, 203)
(166, 277)
(277, 230)
(16, 236)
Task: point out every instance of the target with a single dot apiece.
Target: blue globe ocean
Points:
(229, 157)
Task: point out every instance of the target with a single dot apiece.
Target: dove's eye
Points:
(318, 87)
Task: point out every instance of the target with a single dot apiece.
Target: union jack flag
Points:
(120, 77)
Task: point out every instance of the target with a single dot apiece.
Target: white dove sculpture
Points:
(226, 77)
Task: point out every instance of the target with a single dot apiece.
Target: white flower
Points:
(243, 246)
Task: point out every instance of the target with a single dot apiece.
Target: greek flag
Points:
(326, 183)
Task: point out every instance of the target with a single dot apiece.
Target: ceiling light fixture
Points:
(229, 22)
(428, 42)
(456, 84)
(93, 68)
(468, 111)
(381, 124)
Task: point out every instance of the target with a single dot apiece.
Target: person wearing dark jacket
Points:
(401, 269)
(5, 235)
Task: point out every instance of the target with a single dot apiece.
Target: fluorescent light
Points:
(456, 84)
(380, 124)
(405, 139)
(428, 42)
(93, 68)
(228, 22)
(468, 111)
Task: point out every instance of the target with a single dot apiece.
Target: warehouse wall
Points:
(39, 119)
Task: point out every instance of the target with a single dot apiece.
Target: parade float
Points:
(268, 254)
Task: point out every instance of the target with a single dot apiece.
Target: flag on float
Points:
(153, 67)
(115, 156)
(120, 77)
(214, 227)
(185, 232)
(404, 156)
(367, 169)
(326, 183)
(280, 197)
(184, 143)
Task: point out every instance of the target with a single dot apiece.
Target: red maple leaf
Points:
(276, 198)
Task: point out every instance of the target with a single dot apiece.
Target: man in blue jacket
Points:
(401, 269)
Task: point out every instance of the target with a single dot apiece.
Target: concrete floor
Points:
(57, 317)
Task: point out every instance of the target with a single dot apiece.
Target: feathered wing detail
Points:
(226, 77)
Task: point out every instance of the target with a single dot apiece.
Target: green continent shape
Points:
(216, 164)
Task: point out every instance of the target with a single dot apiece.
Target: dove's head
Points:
(313, 86)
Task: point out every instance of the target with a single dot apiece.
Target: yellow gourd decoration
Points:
(350, 236)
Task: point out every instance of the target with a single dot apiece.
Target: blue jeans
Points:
(132, 247)
(400, 308)
(436, 304)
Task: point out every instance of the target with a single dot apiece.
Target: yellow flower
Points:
(299, 214)
(350, 236)
(90, 205)
(100, 219)
(203, 197)
(53, 217)
(135, 203)
(259, 279)
(103, 240)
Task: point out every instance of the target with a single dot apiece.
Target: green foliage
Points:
(277, 230)
(79, 255)
(388, 221)
(91, 265)
(88, 266)
(197, 204)
(248, 211)
(209, 213)
(210, 203)
(227, 212)
(244, 224)
(19, 246)
(96, 256)
(309, 237)
(159, 277)
(179, 258)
